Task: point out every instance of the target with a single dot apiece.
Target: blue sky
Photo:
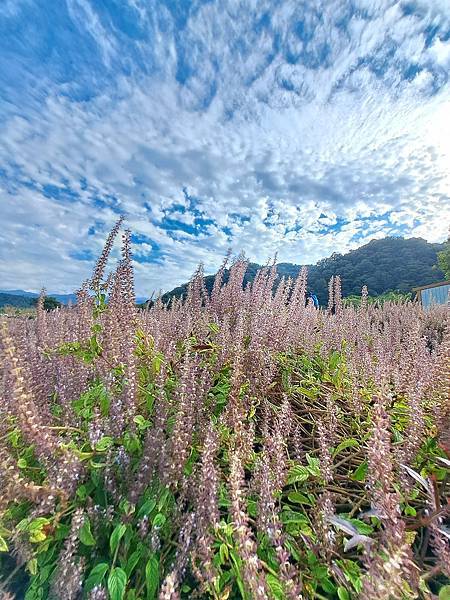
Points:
(298, 128)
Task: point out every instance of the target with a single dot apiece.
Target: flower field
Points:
(234, 445)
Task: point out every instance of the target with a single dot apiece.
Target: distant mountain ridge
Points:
(392, 263)
(63, 298)
(16, 300)
(24, 299)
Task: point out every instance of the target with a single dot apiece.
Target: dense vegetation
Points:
(22, 299)
(16, 301)
(444, 259)
(237, 445)
(393, 296)
(383, 265)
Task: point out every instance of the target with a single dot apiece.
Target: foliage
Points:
(49, 303)
(237, 445)
(14, 311)
(444, 260)
(389, 296)
(9, 302)
(13, 300)
(381, 265)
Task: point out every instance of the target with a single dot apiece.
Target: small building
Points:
(435, 293)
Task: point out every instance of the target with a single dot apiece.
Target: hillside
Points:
(23, 299)
(393, 263)
(63, 298)
(15, 300)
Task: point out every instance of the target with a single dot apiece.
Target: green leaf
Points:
(37, 536)
(342, 593)
(348, 443)
(363, 528)
(309, 393)
(213, 327)
(352, 573)
(127, 507)
(35, 529)
(32, 566)
(94, 346)
(223, 553)
(22, 463)
(152, 577)
(297, 474)
(164, 499)
(444, 593)
(141, 422)
(85, 534)
(82, 492)
(159, 520)
(103, 444)
(147, 507)
(275, 586)
(313, 465)
(131, 442)
(104, 402)
(410, 511)
(83, 455)
(116, 536)
(157, 362)
(96, 576)
(290, 516)
(252, 508)
(3, 545)
(361, 472)
(298, 498)
(14, 437)
(133, 561)
(117, 582)
(236, 568)
(328, 586)
(97, 465)
(34, 593)
(38, 524)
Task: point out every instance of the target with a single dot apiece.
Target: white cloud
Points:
(339, 132)
(85, 17)
(440, 52)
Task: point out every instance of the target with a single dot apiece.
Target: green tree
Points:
(444, 260)
(50, 303)
(392, 263)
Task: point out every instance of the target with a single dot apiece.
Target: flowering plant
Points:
(233, 445)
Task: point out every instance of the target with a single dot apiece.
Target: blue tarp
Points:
(435, 295)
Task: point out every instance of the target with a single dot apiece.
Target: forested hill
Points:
(392, 263)
(15, 300)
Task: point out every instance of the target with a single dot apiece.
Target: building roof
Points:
(431, 285)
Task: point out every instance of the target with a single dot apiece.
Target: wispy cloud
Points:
(297, 128)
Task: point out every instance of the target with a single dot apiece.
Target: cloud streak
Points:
(297, 128)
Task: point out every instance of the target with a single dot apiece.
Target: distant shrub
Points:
(390, 296)
(48, 302)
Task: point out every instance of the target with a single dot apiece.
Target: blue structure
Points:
(313, 298)
(435, 293)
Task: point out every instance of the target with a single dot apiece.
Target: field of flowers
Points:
(237, 445)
